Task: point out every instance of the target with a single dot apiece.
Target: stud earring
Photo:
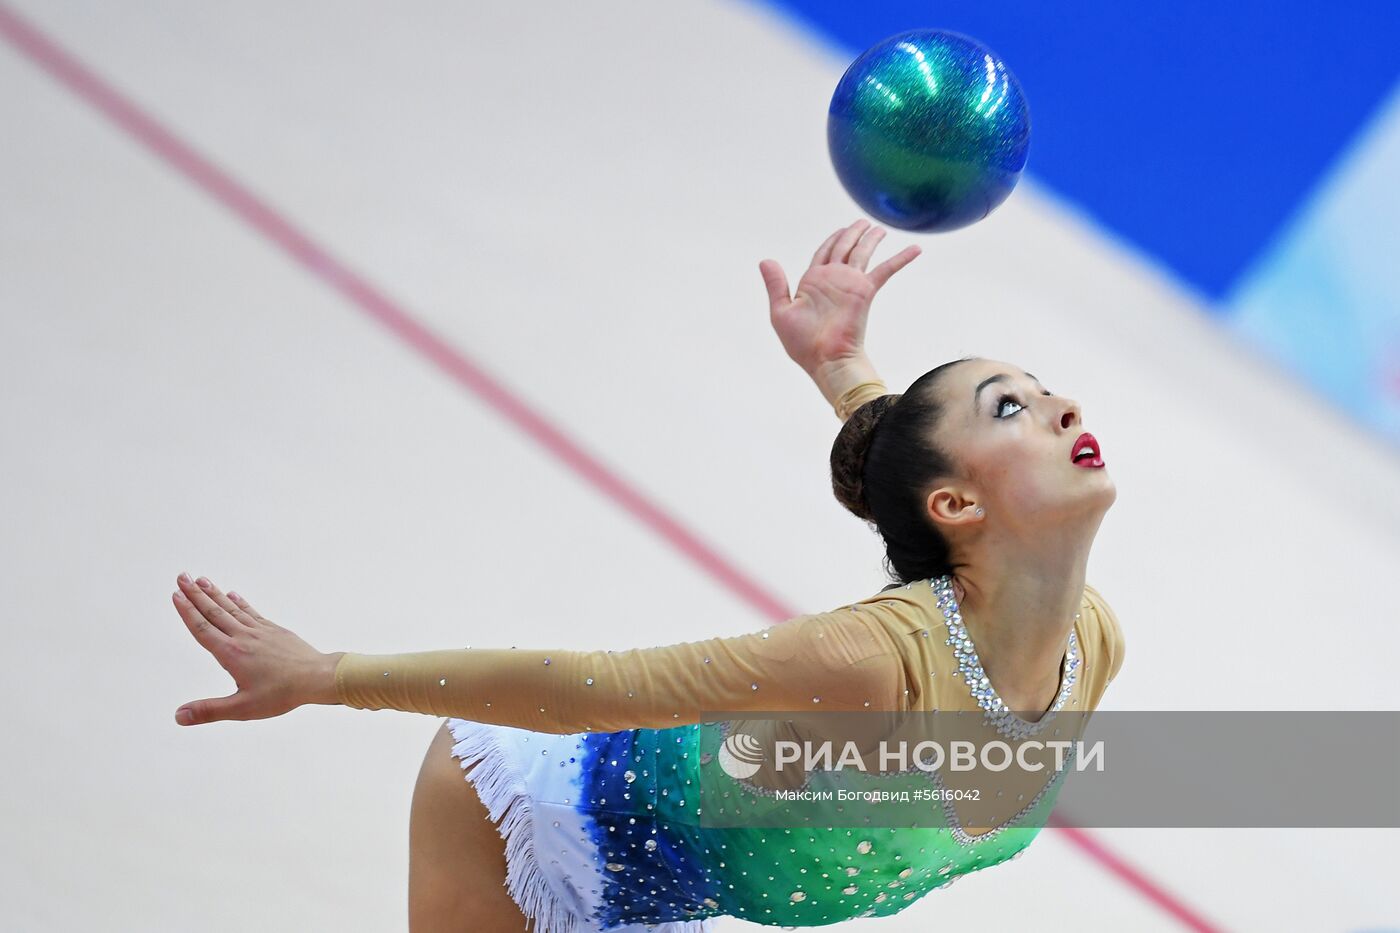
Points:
(979, 511)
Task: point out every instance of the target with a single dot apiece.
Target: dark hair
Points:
(882, 465)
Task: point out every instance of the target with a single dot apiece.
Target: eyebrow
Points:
(999, 377)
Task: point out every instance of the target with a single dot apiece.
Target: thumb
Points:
(210, 710)
(775, 281)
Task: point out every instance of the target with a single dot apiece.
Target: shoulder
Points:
(906, 607)
(896, 610)
(856, 655)
(1103, 631)
(915, 595)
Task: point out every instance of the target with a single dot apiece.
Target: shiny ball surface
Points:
(928, 130)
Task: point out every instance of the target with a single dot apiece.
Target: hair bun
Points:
(849, 452)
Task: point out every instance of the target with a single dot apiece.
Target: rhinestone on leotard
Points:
(994, 708)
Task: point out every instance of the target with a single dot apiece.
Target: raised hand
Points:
(824, 322)
(274, 669)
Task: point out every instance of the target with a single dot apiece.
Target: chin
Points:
(1096, 500)
(1106, 496)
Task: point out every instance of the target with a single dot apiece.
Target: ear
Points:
(952, 505)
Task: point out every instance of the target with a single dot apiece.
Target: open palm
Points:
(825, 320)
(275, 670)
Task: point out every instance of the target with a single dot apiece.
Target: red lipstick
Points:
(1085, 452)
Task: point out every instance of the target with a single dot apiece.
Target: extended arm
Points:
(841, 660)
(846, 659)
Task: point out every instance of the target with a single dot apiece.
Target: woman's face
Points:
(1014, 442)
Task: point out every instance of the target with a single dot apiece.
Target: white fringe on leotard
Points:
(503, 792)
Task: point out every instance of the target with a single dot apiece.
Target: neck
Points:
(1019, 604)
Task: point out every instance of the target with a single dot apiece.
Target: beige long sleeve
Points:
(857, 395)
(846, 659)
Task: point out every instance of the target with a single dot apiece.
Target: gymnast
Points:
(562, 792)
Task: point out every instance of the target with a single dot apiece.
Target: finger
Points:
(849, 237)
(776, 283)
(823, 253)
(216, 616)
(214, 709)
(865, 248)
(248, 608)
(223, 602)
(209, 637)
(881, 273)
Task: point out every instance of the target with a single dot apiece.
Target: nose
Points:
(1071, 415)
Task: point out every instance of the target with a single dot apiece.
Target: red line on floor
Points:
(68, 71)
(1130, 875)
